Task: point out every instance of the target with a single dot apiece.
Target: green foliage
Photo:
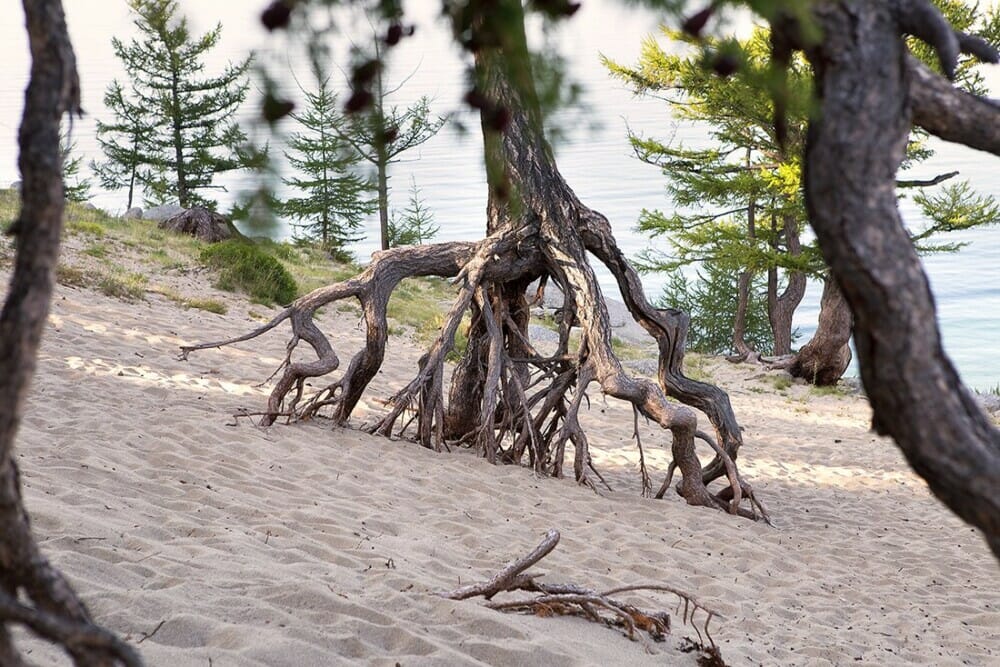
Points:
(123, 285)
(710, 300)
(954, 208)
(381, 132)
(85, 227)
(415, 225)
(172, 130)
(335, 197)
(739, 204)
(246, 267)
(98, 250)
(77, 189)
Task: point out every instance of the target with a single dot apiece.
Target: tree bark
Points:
(824, 359)
(740, 347)
(509, 401)
(866, 82)
(781, 308)
(26, 576)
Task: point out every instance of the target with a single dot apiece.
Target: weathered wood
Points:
(824, 359)
(866, 83)
(507, 400)
(200, 223)
(50, 607)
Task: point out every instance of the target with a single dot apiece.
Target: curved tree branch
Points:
(54, 90)
(866, 84)
(949, 113)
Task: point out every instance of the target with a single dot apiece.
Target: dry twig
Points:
(572, 600)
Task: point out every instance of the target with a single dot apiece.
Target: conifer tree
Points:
(76, 188)
(123, 141)
(739, 201)
(384, 131)
(173, 127)
(336, 197)
(416, 223)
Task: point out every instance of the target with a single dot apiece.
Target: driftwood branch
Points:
(597, 606)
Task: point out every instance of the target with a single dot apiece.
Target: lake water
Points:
(594, 158)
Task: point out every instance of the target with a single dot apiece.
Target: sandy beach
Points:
(209, 541)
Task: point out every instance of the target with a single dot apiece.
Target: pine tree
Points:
(76, 188)
(383, 132)
(336, 197)
(710, 299)
(123, 142)
(739, 201)
(173, 129)
(415, 225)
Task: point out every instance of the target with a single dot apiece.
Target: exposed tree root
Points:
(573, 600)
(508, 400)
(527, 404)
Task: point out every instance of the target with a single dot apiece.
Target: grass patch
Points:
(420, 305)
(67, 274)
(781, 382)
(696, 367)
(88, 227)
(98, 250)
(245, 267)
(211, 305)
(829, 390)
(123, 285)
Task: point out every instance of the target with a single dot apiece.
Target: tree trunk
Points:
(32, 592)
(383, 197)
(743, 285)
(781, 308)
(856, 142)
(825, 358)
(516, 401)
(740, 347)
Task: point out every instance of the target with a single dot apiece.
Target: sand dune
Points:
(221, 543)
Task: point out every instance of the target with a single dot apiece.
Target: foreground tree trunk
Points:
(32, 592)
(824, 359)
(515, 402)
(868, 87)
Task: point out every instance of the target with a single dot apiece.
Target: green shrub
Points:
(244, 266)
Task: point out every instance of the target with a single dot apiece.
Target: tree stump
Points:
(200, 223)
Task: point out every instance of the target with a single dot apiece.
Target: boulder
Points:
(200, 223)
(161, 213)
(134, 213)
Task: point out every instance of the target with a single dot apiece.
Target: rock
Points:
(161, 213)
(134, 213)
(649, 367)
(200, 223)
(621, 321)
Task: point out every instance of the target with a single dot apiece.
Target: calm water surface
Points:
(594, 158)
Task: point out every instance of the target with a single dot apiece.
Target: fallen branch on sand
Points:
(600, 607)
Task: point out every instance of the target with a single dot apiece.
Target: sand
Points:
(210, 541)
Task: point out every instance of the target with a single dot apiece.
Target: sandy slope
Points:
(305, 545)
